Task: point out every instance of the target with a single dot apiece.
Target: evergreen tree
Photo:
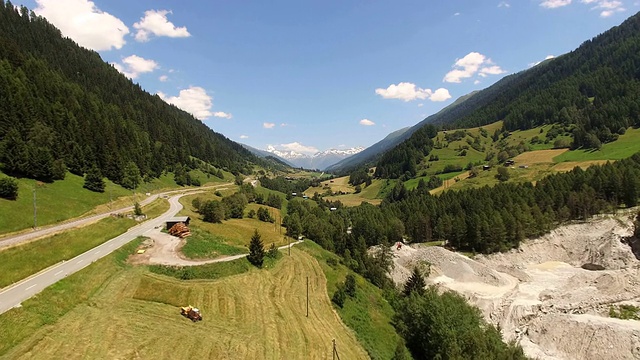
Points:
(131, 176)
(93, 180)
(256, 250)
(340, 295)
(415, 283)
(212, 211)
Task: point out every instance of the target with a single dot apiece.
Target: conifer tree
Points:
(93, 180)
(415, 283)
(256, 250)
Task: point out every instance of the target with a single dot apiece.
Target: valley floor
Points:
(541, 296)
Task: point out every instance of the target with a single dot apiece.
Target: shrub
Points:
(9, 188)
(339, 296)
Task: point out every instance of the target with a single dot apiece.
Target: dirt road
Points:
(165, 250)
(13, 240)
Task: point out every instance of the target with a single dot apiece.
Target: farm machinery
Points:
(191, 313)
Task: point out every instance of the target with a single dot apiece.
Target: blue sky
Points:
(313, 75)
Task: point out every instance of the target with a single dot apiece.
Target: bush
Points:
(332, 262)
(350, 285)
(9, 188)
(137, 209)
(273, 251)
(339, 296)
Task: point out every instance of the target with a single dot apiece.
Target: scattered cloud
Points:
(552, 4)
(283, 124)
(367, 122)
(456, 14)
(476, 82)
(134, 65)
(193, 100)
(420, 105)
(163, 78)
(222, 114)
(268, 125)
(298, 147)
(473, 63)
(84, 23)
(244, 136)
(607, 7)
(504, 4)
(407, 91)
(155, 22)
(538, 62)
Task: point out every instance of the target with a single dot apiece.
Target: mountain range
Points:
(320, 160)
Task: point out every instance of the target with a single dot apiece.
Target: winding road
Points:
(15, 294)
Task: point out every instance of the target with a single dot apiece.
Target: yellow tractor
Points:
(191, 313)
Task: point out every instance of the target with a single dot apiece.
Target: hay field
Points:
(538, 156)
(256, 315)
(569, 165)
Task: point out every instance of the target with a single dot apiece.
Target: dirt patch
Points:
(538, 156)
(569, 165)
(541, 296)
(163, 249)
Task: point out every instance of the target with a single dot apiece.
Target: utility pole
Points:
(307, 296)
(35, 211)
(289, 246)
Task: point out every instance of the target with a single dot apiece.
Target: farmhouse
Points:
(178, 219)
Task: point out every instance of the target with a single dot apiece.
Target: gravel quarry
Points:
(542, 295)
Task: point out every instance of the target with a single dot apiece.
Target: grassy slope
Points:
(368, 314)
(626, 145)
(18, 262)
(66, 199)
(236, 232)
(124, 312)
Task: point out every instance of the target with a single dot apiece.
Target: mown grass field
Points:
(112, 310)
(368, 313)
(371, 194)
(19, 262)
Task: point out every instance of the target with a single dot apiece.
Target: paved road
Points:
(17, 239)
(17, 293)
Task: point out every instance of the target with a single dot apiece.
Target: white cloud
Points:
(298, 147)
(155, 22)
(244, 136)
(268, 125)
(476, 82)
(504, 4)
(134, 65)
(283, 124)
(407, 91)
(84, 22)
(193, 100)
(471, 64)
(608, 7)
(163, 78)
(538, 62)
(441, 94)
(552, 4)
(367, 122)
(420, 105)
(456, 14)
(222, 114)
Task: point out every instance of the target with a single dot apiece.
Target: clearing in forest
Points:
(255, 315)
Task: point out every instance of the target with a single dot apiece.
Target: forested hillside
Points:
(594, 89)
(63, 107)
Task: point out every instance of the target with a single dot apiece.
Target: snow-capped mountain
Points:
(320, 160)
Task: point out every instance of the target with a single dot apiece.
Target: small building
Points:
(178, 219)
(509, 162)
(305, 197)
(524, 166)
(333, 209)
(486, 167)
(294, 194)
